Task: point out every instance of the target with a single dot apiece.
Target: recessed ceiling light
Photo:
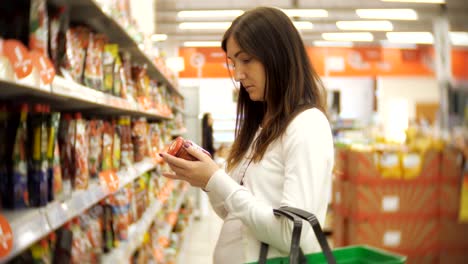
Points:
(417, 1)
(381, 25)
(209, 13)
(306, 12)
(358, 36)
(202, 44)
(205, 25)
(395, 14)
(158, 37)
(411, 37)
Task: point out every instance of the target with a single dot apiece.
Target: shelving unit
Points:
(68, 95)
(32, 224)
(89, 12)
(138, 230)
(29, 225)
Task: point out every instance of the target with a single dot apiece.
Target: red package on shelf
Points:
(81, 148)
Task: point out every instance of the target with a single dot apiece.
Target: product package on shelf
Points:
(120, 205)
(128, 86)
(77, 40)
(95, 128)
(58, 26)
(39, 26)
(66, 129)
(93, 73)
(54, 175)
(80, 152)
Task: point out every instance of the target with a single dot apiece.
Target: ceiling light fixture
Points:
(320, 43)
(411, 37)
(303, 25)
(202, 43)
(158, 37)
(205, 25)
(306, 12)
(358, 36)
(394, 14)
(381, 25)
(209, 13)
(417, 1)
(459, 38)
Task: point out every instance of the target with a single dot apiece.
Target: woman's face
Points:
(247, 70)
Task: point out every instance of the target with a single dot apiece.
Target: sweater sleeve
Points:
(307, 151)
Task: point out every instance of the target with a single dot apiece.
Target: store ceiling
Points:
(167, 21)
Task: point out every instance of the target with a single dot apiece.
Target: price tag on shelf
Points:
(158, 255)
(109, 180)
(171, 218)
(145, 103)
(6, 237)
(163, 241)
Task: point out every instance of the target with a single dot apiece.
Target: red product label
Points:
(19, 58)
(44, 66)
(6, 237)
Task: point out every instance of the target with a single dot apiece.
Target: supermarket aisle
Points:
(201, 240)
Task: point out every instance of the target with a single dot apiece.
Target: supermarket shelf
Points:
(58, 213)
(68, 95)
(181, 255)
(166, 232)
(30, 225)
(89, 12)
(136, 233)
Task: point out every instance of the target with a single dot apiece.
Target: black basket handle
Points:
(296, 253)
(317, 230)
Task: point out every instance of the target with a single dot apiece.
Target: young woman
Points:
(283, 150)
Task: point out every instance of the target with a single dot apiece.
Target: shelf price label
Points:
(109, 180)
(163, 241)
(158, 255)
(6, 237)
(172, 218)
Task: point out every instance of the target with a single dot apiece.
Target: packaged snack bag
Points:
(38, 27)
(95, 128)
(81, 148)
(94, 74)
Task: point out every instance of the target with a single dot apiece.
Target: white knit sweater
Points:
(295, 171)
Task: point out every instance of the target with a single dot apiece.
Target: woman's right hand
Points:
(197, 173)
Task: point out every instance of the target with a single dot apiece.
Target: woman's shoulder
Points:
(311, 116)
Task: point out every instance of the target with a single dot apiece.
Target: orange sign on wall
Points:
(337, 62)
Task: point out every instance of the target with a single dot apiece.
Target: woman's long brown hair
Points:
(292, 85)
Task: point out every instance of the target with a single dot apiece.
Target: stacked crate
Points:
(393, 214)
(453, 234)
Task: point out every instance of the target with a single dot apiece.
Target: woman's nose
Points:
(239, 75)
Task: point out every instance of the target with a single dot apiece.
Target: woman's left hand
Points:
(197, 173)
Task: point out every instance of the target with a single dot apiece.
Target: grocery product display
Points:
(402, 198)
(83, 117)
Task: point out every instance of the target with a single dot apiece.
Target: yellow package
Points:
(390, 165)
(411, 165)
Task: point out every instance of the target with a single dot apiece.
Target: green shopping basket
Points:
(361, 254)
